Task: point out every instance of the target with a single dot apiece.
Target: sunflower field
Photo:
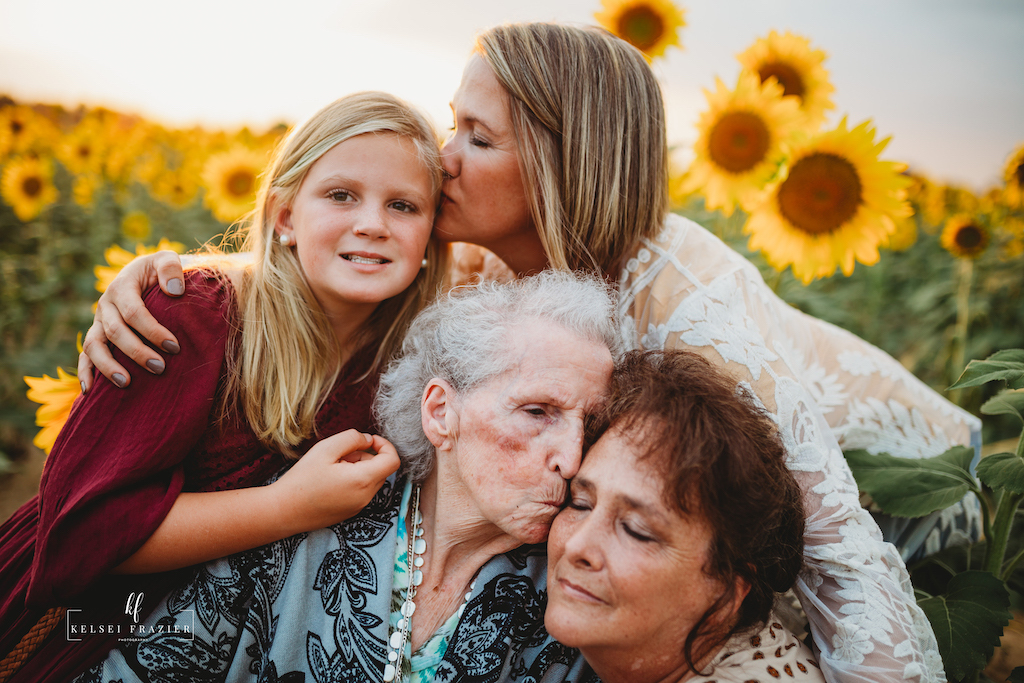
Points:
(82, 193)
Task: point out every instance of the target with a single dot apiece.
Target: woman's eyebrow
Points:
(470, 118)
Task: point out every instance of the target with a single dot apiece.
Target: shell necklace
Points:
(397, 641)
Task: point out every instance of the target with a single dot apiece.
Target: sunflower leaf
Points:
(1006, 402)
(1003, 470)
(906, 487)
(968, 620)
(1006, 365)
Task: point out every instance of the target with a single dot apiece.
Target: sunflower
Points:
(176, 187)
(27, 186)
(741, 142)
(83, 149)
(1013, 174)
(965, 236)
(23, 130)
(84, 188)
(904, 236)
(833, 203)
(789, 59)
(56, 396)
(651, 26)
(118, 258)
(230, 179)
(136, 225)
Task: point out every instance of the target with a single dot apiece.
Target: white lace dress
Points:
(825, 388)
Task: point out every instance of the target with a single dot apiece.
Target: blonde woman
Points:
(270, 360)
(559, 159)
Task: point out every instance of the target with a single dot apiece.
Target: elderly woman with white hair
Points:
(437, 575)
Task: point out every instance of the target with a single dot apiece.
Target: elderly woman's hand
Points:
(120, 314)
(333, 481)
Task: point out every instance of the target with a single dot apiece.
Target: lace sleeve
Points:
(686, 289)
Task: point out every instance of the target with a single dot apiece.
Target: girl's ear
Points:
(281, 213)
(438, 415)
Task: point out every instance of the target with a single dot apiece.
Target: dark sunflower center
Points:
(1019, 173)
(84, 151)
(788, 77)
(32, 187)
(16, 127)
(240, 183)
(641, 26)
(822, 192)
(738, 141)
(969, 237)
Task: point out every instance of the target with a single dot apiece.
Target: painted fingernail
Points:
(175, 287)
(170, 346)
(82, 383)
(155, 366)
(120, 380)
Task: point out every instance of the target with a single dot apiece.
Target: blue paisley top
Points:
(316, 607)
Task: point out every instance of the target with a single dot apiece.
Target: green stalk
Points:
(1012, 566)
(963, 303)
(996, 550)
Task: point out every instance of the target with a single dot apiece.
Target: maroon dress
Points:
(115, 471)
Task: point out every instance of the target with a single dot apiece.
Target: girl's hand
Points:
(334, 480)
(120, 314)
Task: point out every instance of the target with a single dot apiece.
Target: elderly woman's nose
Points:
(568, 453)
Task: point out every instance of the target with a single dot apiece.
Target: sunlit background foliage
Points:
(939, 281)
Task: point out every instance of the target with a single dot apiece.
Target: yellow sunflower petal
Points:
(57, 395)
(651, 26)
(965, 236)
(741, 143)
(117, 258)
(790, 60)
(27, 186)
(833, 204)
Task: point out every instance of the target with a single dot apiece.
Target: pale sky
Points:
(944, 78)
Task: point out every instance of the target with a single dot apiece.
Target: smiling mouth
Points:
(578, 592)
(354, 258)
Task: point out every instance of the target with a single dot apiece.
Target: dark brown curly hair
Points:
(722, 459)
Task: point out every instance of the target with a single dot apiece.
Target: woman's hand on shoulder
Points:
(334, 480)
(120, 314)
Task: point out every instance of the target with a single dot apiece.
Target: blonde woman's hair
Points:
(284, 357)
(589, 123)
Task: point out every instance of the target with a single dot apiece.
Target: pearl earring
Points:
(286, 240)
(423, 263)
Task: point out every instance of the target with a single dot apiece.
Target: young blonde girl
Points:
(282, 354)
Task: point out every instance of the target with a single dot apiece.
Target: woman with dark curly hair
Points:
(683, 523)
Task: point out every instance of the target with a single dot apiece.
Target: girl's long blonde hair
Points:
(589, 123)
(284, 358)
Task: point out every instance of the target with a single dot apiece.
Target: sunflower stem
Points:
(963, 302)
